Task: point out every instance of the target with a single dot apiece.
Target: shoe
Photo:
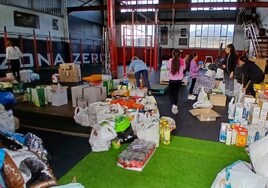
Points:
(174, 109)
(191, 97)
(150, 93)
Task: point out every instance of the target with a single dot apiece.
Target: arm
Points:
(194, 67)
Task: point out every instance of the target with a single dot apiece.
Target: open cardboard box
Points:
(205, 114)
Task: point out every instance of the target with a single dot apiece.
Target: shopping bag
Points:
(95, 108)
(150, 132)
(7, 121)
(110, 111)
(101, 135)
(81, 116)
(38, 96)
(202, 96)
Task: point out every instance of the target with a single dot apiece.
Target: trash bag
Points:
(127, 135)
(7, 98)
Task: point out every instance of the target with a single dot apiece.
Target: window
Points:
(139, 2)
(213, 8)
(139, 35)
(210, 35)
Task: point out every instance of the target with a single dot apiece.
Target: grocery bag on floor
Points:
(23, 168)
(7, 121)
(101, 135)
(81, 116)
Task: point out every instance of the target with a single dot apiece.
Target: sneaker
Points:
(191, 97)
(174, 109)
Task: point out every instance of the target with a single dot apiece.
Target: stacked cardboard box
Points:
(69, 72)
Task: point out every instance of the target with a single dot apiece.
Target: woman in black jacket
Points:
(229, 64)
(252, 74)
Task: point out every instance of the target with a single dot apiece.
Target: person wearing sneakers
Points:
(175, 66)
(140, 68)
(193, 72)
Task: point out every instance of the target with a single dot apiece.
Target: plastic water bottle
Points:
(222, 136)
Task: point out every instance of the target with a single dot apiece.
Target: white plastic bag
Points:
(93, 109)
(239, 175)
(150, 133)
(202, 96)
(7, 122)
(101, 136)
(81, 116)
(202, 104)
(219, 74)
(112, 110)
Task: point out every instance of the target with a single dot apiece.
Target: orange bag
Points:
(93, 78)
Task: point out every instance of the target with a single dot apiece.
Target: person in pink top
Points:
(193, 73)
(175, 66)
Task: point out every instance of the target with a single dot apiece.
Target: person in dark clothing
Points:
(229, 64)
(14, 56)
(252, 74)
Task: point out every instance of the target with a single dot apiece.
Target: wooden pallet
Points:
(159, 89)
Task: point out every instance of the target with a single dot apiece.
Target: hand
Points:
(231, 75)
(243, 89)
(223, 66)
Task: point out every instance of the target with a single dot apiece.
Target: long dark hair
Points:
(232, 49)
(189, 59)
(175, 64)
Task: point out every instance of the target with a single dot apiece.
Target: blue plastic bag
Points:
(7, 98)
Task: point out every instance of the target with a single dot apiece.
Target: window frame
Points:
(213, 38)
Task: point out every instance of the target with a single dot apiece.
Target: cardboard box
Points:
(69, 72)
(249, 99)
(217, 99)
(205, 114)
(261, 62)
(241, 136)
(139, 92)
(254, 113)
(84, 94)
(263, 104)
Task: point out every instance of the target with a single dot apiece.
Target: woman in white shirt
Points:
(13, 56)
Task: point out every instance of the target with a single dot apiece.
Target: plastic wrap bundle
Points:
(136, 155)
(35, 144)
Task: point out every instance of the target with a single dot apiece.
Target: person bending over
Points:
(140, 68)
(251, 74)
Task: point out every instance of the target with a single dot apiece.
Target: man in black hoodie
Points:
(252, 74)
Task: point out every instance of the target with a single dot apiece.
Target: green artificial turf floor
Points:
(185, 163)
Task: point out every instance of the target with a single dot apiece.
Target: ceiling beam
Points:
(173, 6)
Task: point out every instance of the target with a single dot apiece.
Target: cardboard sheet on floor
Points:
(205, 114)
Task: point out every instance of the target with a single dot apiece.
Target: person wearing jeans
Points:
(175, 66)
(193, 73)
(140, 68)
(229, 64)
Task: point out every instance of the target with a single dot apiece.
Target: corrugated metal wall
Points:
(92, 16)
(53, 7)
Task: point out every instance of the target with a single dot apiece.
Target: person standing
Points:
(193, 73)
(229, 64)
(175, 66)
(251, 74)
(13, 56)
(140, 69)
